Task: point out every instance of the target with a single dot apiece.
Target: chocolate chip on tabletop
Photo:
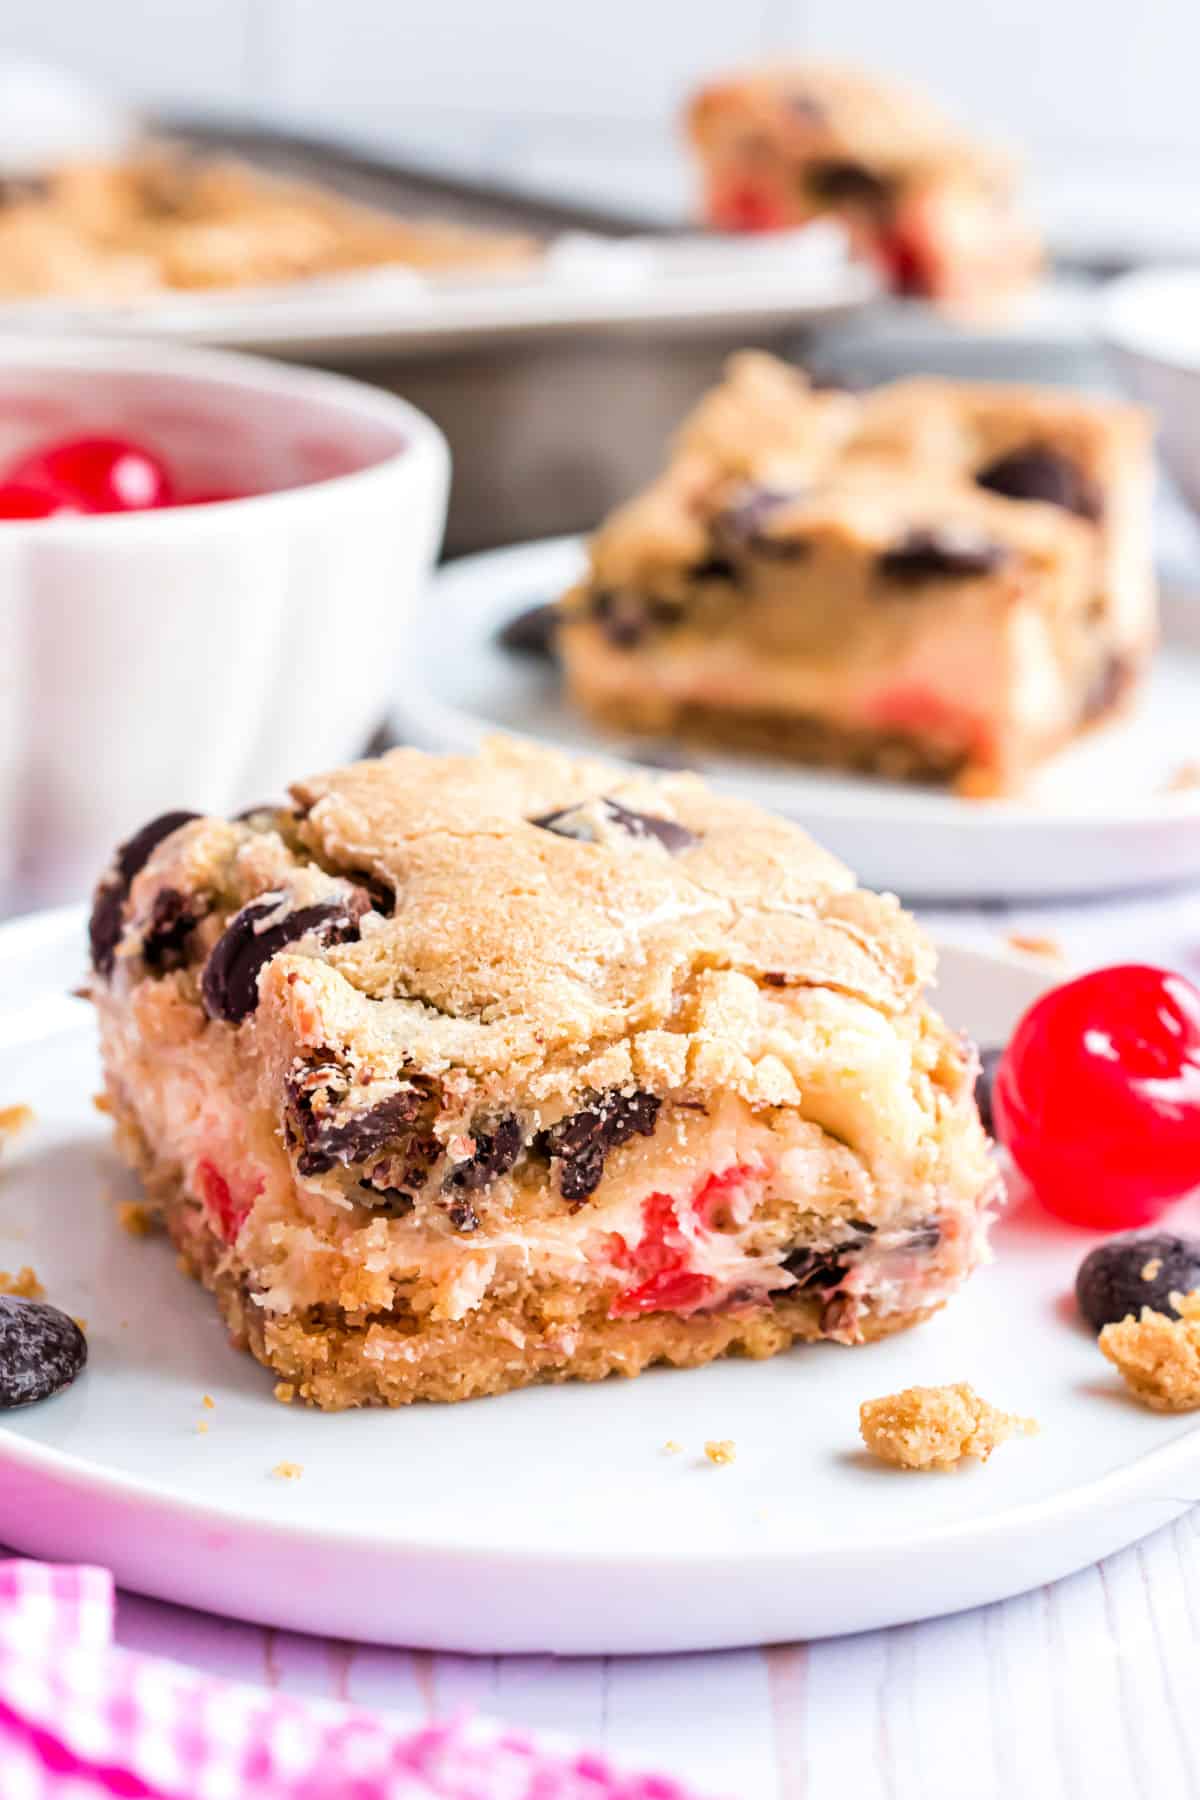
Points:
(108, 908)
(1139, 1268)
(41, 1351)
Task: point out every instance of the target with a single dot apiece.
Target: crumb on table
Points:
(207, 1401)
(1030, 943)
(1158, 1356)
(671, 1448)
(24, 1285)
(14, 1120)
(102, 1103)
(285, 1392)
(135, 1217)
(721, 1451)
(288, 1471)
(935, 1427)
(1185, 777)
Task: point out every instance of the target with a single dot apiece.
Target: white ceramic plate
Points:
(1098, 818)
(551, 1519)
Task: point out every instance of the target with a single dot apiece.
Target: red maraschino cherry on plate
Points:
(1097, 1097)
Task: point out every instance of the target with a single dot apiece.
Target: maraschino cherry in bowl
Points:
(205, 565)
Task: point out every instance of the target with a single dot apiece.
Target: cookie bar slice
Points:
(936, 212)
(464, 1073)
(935, 579)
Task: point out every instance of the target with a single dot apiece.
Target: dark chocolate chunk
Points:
(573, 822)
(380, 893)
(582, 1141)
(941, 552)
(1140, 1268)
(821, 1268)
(104, 929)
(495, 1153)
(230, 982)
(462, 1215)
(743, 524)
(533, 632)
(1037, 472)
(173, 917)
(924, 1237)
(844, 183)
(41, 1351)
(715, 568)
(330, 1133)
(627, 619)
(989, 1062)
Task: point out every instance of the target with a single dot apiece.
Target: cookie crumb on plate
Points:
(24, 1285)
(671, 1448)
(288, 1471)
(285, 1392)
(935, 1427)
(1030, 943)
(721, 1451)
(14, 1120)
(135, 1217)
(1158, 1356)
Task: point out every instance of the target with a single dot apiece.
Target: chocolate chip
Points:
(743, 524)
(533, 632)
(941, 552)
(628, 619)
(462, 1215)
(924, 1237)
(104, 929)
(1037, 472)
(989, 1062)
(574, 822)
(330, 1134)
(845, 183)
(41, 1351)
(380, 893)
(229, 985)
(583, 1140)
(820, 1268)
(715, 568)
(495, 1153)
(173, 917)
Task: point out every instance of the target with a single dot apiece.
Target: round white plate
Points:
(551, 1520)
(1098, 818)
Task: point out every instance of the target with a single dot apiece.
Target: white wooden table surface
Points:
(1083, 1689)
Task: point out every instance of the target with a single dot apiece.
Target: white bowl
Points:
(1151, 323)
(198, 656)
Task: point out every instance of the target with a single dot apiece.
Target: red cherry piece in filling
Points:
(1097, 1097)
(663, 1282)
(98, 475)
(21, 500)
(745, 208)
(218, 1197)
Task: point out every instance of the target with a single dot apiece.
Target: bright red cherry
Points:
(20, 500)
(1097, 1097)
(98, 475)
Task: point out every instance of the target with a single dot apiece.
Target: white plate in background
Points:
(1097, 819)
(550, 1520)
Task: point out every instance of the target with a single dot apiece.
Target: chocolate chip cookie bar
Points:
(161, 219)
(935, 211)
(462, 1073)
(939, 580)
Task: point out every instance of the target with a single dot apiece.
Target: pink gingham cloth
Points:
(82, 1720)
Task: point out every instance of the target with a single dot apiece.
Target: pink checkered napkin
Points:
(80, 1720)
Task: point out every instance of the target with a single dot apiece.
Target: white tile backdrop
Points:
(1085, 75)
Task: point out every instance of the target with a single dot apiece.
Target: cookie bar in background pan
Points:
(164, 219)
(937, 580)
(936, 211)
(463, 1073)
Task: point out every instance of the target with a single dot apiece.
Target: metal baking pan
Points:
(556, 384)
